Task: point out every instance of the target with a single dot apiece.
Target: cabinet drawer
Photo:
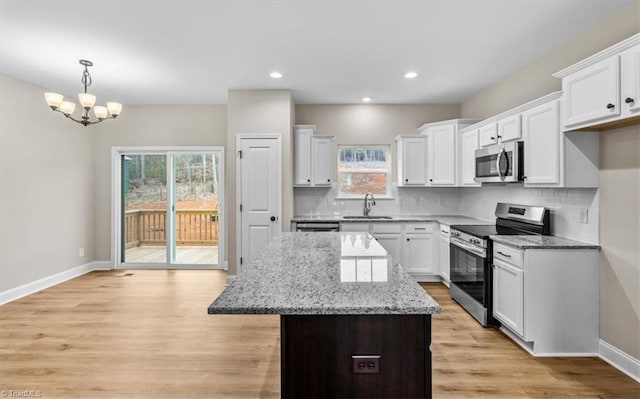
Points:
(386, 227)
(505, 253)
(354, 227)
(419, 228)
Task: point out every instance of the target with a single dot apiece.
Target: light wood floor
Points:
(147, 335)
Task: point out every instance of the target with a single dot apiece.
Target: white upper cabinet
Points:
(322, 160)
(509, 129)
(592, 94)
(630, 81)
(542, 144)
(441, 169)
(312, 157)
(302, 154)
(488, 134)
(468, 147)
(443, 151)
(603, 88)
(412, 160)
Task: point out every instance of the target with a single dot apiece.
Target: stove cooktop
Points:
(485, 230)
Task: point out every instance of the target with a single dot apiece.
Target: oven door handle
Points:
(469, 248)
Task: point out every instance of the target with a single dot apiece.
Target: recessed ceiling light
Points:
(275, 75)
(410, 75)
(366, 99)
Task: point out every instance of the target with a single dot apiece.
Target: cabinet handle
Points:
(492, 138)
(629, 100)
(494, 266)
(430, 179)
(408, 239)
(406, 180)
(499, 136)
(505, 255)
(328, 180)
(443, 231)
(524, 177)
(419, 228)
(308, 180)
(610, 106)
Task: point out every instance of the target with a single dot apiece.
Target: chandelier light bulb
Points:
(67, 107)
(54, 99)
(114, 108)
(100, 111)
(87, 100)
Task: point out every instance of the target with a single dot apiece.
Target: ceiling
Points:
(192, 52)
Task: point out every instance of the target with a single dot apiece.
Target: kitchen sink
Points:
(367, 217)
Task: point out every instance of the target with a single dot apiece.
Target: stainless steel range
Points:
(471, 255)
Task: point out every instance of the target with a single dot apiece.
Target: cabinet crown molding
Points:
(513, 111)
(604, 54)
(448, 122)
(409, 136)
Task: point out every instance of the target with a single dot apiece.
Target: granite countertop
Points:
(324, 273)
(542, 242)
(444, 219)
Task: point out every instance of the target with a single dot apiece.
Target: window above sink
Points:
(363, 169)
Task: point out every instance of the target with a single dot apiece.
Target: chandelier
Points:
(56, 102)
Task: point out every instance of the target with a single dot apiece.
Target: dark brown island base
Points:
(353, 324)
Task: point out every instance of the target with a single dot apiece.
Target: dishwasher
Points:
(317, 227)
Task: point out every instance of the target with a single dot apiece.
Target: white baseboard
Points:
(230, 278)
(426, 278)
(30, 288)
(102, 265)
(620, 360)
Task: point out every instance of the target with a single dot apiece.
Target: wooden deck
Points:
(192, 255)
(147, 335)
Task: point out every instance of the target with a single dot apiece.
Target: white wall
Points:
(620, 238)
(46, 187)
(258, 112)
(147, 125)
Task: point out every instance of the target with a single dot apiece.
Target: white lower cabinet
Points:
(412, 245)
(508, 293)
(547, 298)
(418, 254)
(445, 255)
(392, 243)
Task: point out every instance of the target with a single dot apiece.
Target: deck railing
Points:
(193, 227)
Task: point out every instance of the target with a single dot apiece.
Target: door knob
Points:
(273, 218)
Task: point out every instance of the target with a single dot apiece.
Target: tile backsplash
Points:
(568, 206)
(574, 212)
(323, 201)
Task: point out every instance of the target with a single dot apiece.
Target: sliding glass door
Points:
(195, 211)
(170, 208)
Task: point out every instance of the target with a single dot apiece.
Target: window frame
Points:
(389, 171)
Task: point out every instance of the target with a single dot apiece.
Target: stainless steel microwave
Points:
(502, 163)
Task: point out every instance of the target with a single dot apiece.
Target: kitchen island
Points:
(353, 324)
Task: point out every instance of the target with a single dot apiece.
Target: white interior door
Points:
(259, 195)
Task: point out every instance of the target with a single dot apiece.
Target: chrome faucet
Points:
(368, 204)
